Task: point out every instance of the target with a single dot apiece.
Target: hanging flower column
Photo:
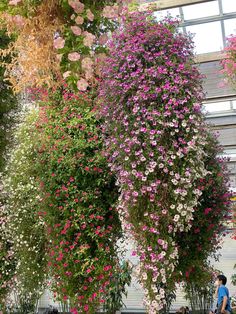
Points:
(78, 196)
(154, 129)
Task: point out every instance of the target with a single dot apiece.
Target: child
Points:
(223, 301)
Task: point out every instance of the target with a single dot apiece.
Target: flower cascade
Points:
(210, 216)
(150, 98)
(22, 226)
(78, 193)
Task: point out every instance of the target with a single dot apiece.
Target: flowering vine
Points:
(205, 237)
(56, 39)
(151, 99)
(8, 102)
(78, 196)
(228, 64)
(21, 226)
(208, 226)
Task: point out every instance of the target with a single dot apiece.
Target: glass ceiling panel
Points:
(229, 6)
(196, 11)
(230, 26)
(207, 37)
(163, 13)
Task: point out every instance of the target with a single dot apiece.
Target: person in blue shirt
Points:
(223, 300)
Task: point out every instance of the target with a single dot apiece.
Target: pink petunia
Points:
(89, 75)
(82, 85)
(79, 20)
(87, 63)
(76, 30)
(103, 39)
(77, 6)
(90, 15)
(110, 12)
(88, 39)
(14, 2)
(59, 43)
(18, 20)
(66, 74)
(74, 56)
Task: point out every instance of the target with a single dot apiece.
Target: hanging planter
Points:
(154, 131)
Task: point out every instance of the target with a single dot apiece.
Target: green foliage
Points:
(233, 278)
(200, 291)
(117, 291)
(24, 228)
(24, 8)
(8, 102)
(78, 194)
(204, 238)
(7, 263)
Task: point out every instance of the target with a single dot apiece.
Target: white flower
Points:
(144, 276)
(176, 218)
(175, 182)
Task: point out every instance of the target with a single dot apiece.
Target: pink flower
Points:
(88, 39)
(88, 75)
(86, 308)
(108, 267)
(59, 57)
(66, 74)
(14, 2)
(110, 12)
(74, 311)
(76, 30)
(79, 20)
(77, 6)
(18, 20)
(82, 85)
(74, 56)
(160, 241)
(90, 15)
(207, 210)
(103, 39)
(59, 43)
(87, 63)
